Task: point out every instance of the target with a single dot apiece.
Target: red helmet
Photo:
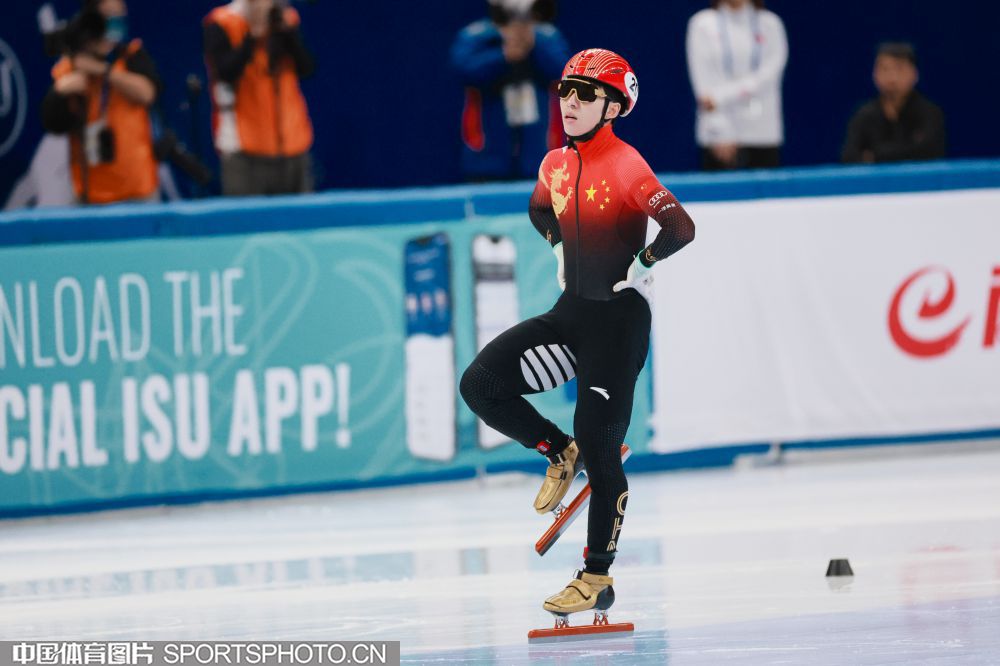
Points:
(608, 68)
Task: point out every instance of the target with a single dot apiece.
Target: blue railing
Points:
(372, 207)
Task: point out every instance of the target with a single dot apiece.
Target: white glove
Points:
(557, 250)
(640, 278)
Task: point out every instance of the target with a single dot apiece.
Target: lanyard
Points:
(727, 47)
(105, 93)
(106, 83)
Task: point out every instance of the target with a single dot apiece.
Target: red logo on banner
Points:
(929, 310)
(993, 311)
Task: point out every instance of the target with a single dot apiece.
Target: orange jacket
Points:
(271, 114)
(132, 172)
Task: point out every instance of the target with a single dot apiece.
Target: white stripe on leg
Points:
(539, 369)
(546, 356)
(563, 361)
(528, 375)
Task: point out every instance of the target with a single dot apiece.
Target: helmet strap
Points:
(597, 128)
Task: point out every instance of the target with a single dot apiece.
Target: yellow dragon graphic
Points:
(556, 179)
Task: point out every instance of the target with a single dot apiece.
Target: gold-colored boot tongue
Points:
(563, 468)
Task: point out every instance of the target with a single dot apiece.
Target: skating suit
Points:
(595, 197)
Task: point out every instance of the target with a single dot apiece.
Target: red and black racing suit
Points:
(595, 197)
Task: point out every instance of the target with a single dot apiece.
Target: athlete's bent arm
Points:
(676, 226)
(651, 197)
(542, 216)
(544, 219)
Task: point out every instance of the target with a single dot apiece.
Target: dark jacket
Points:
(918, 133)
(492, 148)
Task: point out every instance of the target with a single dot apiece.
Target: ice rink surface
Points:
(719, 566)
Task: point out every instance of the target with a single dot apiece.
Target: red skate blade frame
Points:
(571, 513)
(580, 633)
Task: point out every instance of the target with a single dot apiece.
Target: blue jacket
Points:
(511, 117)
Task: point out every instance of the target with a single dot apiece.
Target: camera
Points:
(276, 17)
(71, 38)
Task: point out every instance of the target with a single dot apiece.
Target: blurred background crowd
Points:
(104, 101)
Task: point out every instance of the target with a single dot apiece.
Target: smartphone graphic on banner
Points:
(430, 349)
(496, 303)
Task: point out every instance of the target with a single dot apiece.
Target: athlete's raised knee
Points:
(479, 385)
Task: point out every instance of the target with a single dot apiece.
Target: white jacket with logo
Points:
(737, 58)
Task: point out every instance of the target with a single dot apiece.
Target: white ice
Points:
(719, 566)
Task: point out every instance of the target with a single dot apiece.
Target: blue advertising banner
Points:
(260, 346)
(188, 368)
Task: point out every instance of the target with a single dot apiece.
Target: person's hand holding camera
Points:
(74, 83)
(88, 64)
(266, 17)
(258, 28)
(259, 17)
(518, 40)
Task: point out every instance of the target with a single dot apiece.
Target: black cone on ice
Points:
(839, 568)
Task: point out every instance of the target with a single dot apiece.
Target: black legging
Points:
(604, 343)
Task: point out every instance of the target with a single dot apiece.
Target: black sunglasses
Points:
(585, 91)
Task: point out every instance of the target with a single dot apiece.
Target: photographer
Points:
(508, 64)
(104, 87)
(256, 57)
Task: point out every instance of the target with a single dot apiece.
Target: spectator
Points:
(900, 124)
(256, 57)
(508, 65)
(736, 53)
(101, 97)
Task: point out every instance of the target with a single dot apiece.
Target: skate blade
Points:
(581, 633)
(566, 516)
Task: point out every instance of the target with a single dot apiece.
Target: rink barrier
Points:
(461, 211)
(376, 207)
(637, 464)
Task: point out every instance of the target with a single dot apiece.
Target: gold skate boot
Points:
(585, 592)
(558, 477)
